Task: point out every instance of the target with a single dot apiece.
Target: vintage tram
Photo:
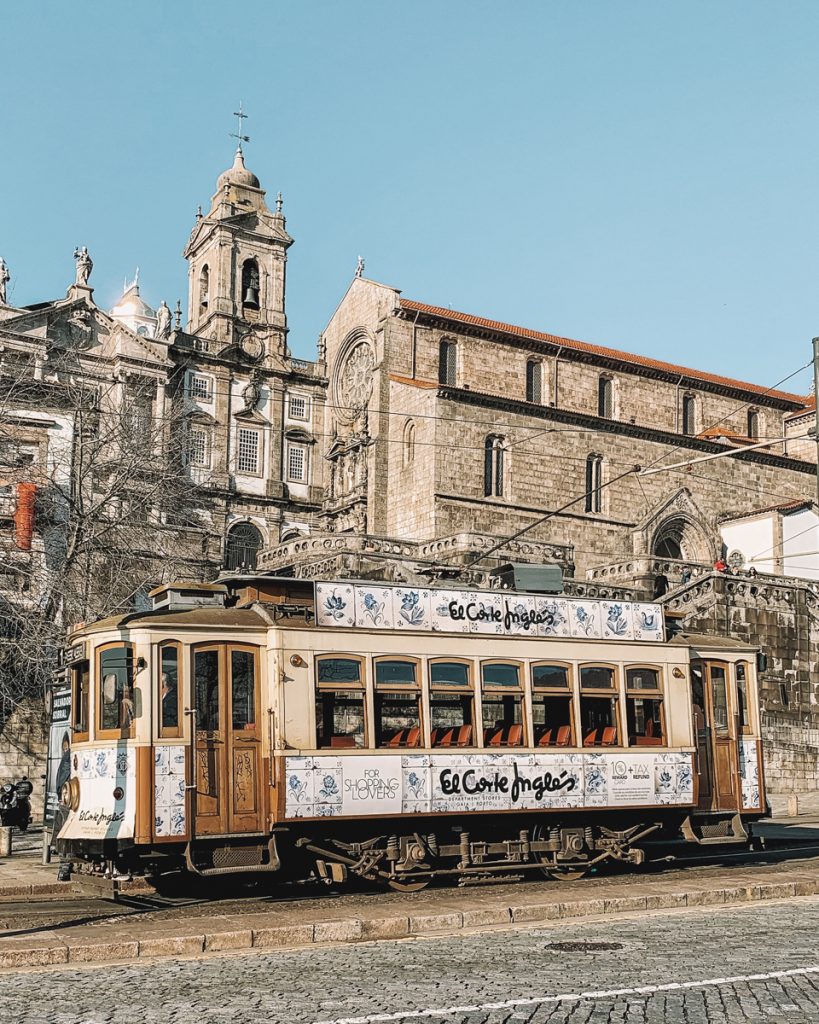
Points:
(400, 734)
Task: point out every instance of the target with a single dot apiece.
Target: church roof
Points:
(131, 303)
(238, 174)
(599, 350)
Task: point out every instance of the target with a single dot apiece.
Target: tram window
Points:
(598, 721)
(698, 698)
(642, 679)
(80, 674)
(550, 677)
(397, 704)
(451, 711)
(644, 717)
(169, 690)
(596, 677)
(243, 689)
(552, 719)
(742, 697)
(645, 721)
(719, 698)
(206, 681)
(502, 705)
(116, 676)
(338, 670)
(339, 718)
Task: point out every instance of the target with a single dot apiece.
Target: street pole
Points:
(816, 406)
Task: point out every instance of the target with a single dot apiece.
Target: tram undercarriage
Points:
(410, 859)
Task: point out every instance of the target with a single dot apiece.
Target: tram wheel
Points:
(566, 874)
(408, 884)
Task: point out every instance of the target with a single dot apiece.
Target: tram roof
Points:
(225, 617)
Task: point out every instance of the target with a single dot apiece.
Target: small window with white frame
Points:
(297, 463)
(248, 451)
(298, 407)
(199, 446)
(200, 387)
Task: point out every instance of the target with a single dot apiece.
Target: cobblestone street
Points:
(489, 978)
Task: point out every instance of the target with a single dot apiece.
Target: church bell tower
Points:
(237, 256)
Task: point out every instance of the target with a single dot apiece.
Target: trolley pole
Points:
(816, 407)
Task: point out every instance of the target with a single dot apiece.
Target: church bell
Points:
(251, 297)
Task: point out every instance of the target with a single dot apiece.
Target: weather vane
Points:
(240, 116)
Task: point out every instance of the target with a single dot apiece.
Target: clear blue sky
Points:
(638, 174)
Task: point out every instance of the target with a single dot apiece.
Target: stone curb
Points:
(17, 953)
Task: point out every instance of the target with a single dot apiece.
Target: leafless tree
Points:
(117, 511)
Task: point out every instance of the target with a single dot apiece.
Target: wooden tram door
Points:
(227, 754)
(718, 767)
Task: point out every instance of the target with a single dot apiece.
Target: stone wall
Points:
(781, 617)
(24, 748)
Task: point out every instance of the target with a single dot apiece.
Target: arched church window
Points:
(250, 284)
(447, 362)
(242, 546)
(689, 415)
(753, 424)
(409, 442)
(534, 381)
(204, 286)
(605, 397)
(493, 466)
(594, 483)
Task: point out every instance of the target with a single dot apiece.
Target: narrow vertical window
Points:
(409, 442)
(447, 357)
(204, 286)
(689, 418)
(534, 381)
(605, 397)
(493, 467)
(297, 463)
(248, 454)
(594, 481)
(753, 424)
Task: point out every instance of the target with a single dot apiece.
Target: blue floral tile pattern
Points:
(617, 620)
(169, 790)
(585, 619)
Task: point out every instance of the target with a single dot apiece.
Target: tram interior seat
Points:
(648, 739)
(342, 741)
(406, 738)
(501, 735)
(457, 736)
(609, 737)
(590, 739)
(562, 739)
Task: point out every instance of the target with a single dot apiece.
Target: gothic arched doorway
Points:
(680, 539)
(242, 547)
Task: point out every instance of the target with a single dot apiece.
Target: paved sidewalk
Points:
(808, 804)
(305, 923)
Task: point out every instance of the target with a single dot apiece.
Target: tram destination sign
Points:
(492, 612)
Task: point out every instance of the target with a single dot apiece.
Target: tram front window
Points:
(451, 705)
(397, 704)
(116, 673)
(340, 716)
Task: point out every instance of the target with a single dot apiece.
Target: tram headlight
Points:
(70, 795)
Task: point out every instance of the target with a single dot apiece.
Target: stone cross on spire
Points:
(240, 116)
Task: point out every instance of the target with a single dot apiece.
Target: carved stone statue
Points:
(84, 266)
(163, 321)
(251, 393)
(359, 268)
(5, 277)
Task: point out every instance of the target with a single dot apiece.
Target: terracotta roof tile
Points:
(785, 507)
(413, 382)
(599, 350)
